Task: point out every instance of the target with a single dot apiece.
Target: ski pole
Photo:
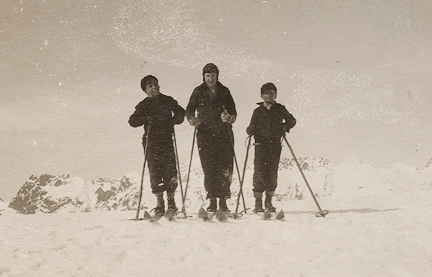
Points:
(243, 175)
(143, 170)
(321, 212)
(189, 169)
(236, 164)
(178, 170)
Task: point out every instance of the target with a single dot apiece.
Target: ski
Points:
(280, 215)
(148, 217)
(203, 214)
(267, 215)
(170, 214)
(221, 216)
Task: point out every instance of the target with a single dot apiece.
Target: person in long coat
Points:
(211, 109)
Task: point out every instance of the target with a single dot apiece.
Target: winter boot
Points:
(171, 201)
(160, 207)
(223, 205)
(213, 205)
(268, 201)
(258, 202)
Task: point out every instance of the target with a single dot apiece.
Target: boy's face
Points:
(152, 88)
(269, 96)
(210, 79)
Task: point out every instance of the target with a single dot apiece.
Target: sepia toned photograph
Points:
(216, 138)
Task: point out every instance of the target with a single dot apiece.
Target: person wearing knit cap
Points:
(212, 111)
(269, 123)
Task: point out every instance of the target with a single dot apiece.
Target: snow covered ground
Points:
(387, 233)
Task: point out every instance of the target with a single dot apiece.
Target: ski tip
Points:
(267, 214)
(280, 215)
(147, 216)
(156, 217)
(221, 216)
(170, 215)
(202, 214)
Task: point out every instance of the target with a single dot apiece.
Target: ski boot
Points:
(160, 206)
(171, 202)
(221, 215)
(213, 205)
(258, 202)
(223, 205)
(268, 201)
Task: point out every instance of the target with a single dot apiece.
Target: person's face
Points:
(269, 96)
(210, 79)
(152, 88)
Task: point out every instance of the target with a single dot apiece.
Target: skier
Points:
(269, 123)
(211, 109)
(159, 113)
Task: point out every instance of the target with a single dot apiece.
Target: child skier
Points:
(269, 123)
(159, 113)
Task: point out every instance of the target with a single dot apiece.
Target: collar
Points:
(265, 105)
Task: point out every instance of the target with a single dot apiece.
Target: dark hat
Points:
(268, 86)
(210, 68)
(147, 79)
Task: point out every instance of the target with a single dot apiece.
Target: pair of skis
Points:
(223, 216)
(170, 215)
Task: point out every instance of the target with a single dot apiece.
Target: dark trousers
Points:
(266, 164)
(216, 155)
(162, 165)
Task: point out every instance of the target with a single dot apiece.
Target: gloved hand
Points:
(177, 120)
(227, 118)
(250, 130)
(286, 128)
(195, 122)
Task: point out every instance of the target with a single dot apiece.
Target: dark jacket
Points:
(210, 108)
(269, 125)
(161, 112)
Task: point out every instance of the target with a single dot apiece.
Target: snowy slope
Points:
(380, 224)
(375, 240)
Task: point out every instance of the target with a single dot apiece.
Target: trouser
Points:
(266, 165)
(216, 154)
(162, 165)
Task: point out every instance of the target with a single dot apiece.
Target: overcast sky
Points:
(355, 74)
